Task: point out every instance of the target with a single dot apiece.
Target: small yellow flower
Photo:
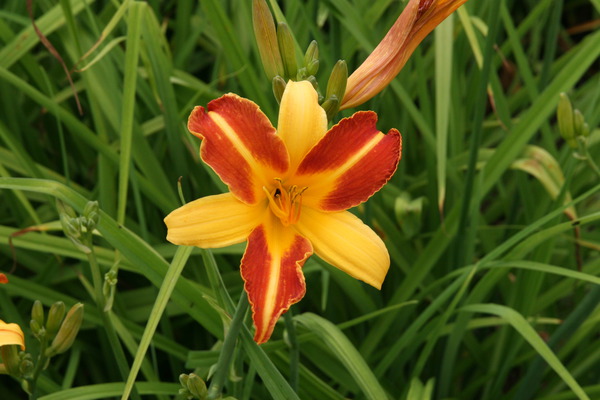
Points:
(417, 20)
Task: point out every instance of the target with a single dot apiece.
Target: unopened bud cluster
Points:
(67, 331)
(56, 334)
(80, 228)
(571, 123)
(277, 49)
(193, 387)
(58, 328)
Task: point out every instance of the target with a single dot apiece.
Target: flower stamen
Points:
(286, 204)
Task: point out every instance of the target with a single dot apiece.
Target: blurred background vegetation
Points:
(491, 221)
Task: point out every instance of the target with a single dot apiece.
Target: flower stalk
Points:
(222, 369)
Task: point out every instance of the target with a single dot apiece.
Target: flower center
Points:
(285, 202)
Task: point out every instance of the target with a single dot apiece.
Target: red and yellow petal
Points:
(272, 272)
(11, 334)
(352, 162)
(214, 221)
(240, 144)
(345, 242)
(302, 121)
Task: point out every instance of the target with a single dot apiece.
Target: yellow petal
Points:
(302, 121)
(345, 242)
(213, 221)
(11, 334)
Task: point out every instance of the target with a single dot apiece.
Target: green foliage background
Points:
(485, 299)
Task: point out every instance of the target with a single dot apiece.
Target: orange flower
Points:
(289, 190)
(3, 278)
(11, 334)
(417, 20)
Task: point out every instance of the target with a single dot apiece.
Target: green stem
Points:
(294, 350)
(39, 366)
(109, 328)
(222, 369)
(591, 162)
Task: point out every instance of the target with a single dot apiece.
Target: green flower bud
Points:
(313, 67)
(314, 83)
(278, 87)
(312, 54)
(109, 288)
(55, 317)
(92, 221)
(70, 226)
(64, 209)
(183, 379)
(579, 125)
(336, 86)
(566, 121)
(331, 106)
(197, 387)
(37, 313)
(36, 329)
(26, 367)
(67, 332)
(287, 50)
(266, 39)
(90, 207)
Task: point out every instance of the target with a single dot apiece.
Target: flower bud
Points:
(336, 86)
(287, 50)
(196, 386)
(90, 207)
(564, 114)
(67, 332)
(37, 313)
(70, 226)
(183, 379)
(36, 329)
(579, 125)
(278, 87)
(26, 366)
(312, 68)
(109, 288)
(312, 54)
(266, 39)
(331, 106)
(55, 317)
(315, 85)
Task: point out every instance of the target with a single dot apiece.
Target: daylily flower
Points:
(3, 278)
(289, 190)
(416, 21)
(11, 334)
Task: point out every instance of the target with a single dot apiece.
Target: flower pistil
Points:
(285, 203)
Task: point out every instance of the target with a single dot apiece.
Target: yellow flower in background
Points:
(417, 20)
(289, 192)
(11, 334)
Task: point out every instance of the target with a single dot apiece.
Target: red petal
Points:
(352, 162)
(272, 271)
(240, 144)
(3, 278)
